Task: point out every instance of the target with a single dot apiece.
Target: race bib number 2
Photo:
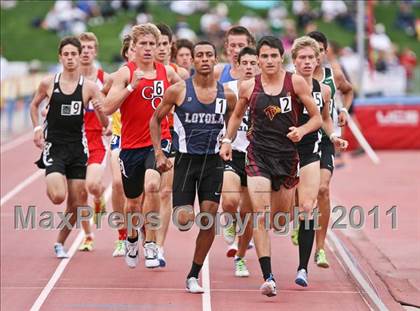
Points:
(285, 104)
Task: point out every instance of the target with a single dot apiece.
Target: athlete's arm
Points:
(346, 89)
(244, 93)
(118, 91)
(327, 123)
(97, 98)
(173, 77)
(107, 83)
(231, 102)
(183, 73)
(40, 94)
(304, 93)
(170, 99)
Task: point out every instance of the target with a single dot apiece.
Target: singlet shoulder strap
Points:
(100, 75)
(81, 79)
(316, 86)
(57, 77)
(131, 67)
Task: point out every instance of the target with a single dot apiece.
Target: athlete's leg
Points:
(165, 205)
(246, 213)
(324, 208)
(231, 195)
(151, 200)
(56, 187)
(94, 177)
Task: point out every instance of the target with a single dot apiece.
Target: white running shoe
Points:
(59, 251)
(151, 255)
(269, 287)
(193, 286)
(302, 278)
(119, 250)
(229, 233)
(131, 253)
(240, 267)
(232, 250)
(161, 258)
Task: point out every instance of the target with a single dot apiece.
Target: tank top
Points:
(139, 106)
(92, 122)
(241, 141)
(116, 123)
(328, 80)
(64, 122)
(225, 75)
(198, 127)
(270, 118)
(315, 136)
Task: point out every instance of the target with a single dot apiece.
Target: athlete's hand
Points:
(342, 118)
(163, 164)
(39, 138)
(340, 144)
(226, 152)
(97, 106)
(137, 76)
(295, 134)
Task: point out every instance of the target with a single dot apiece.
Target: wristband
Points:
(343, 109)
(332, 136)
(36, 128)
(130, 88)
(226, 140)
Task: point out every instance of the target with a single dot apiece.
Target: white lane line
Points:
(21, 186)
(355, 271)
(63, 264)
(15, 142)
(206, 285)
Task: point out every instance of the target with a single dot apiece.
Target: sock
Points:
(89, 235)
(306, 241)
(132, 240)
(265, 263)
(122, 234)
(195, 270)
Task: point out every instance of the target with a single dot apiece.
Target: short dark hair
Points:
(205, 43)
(319, 37)
(165, 30)
(272, 42)
(70, 40)
(182, 43)
(125, 46)
(240, 30)
(246, 51)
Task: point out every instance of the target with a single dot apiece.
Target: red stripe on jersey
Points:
(92, 122)
(138, 108)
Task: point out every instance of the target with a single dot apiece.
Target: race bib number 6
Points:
(158, 88)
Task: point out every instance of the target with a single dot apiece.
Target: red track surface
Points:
(97, 281)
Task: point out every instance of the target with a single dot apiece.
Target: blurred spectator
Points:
(337, 10)
(290, 34)
(215, 23)
(381, 63)
(406, 20)
(6, 5)
(379, 40)
(65, 19)
(276, 16)
(188, 7)
(255, 24)
(302, 9)
(408, 60)
(183, 31)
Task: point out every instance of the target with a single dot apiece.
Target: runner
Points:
(234, 178)
(183, 55)
(276, 99)
(137, 90)
(305, 53)
(334, 78)
(201, 107)
(62, 137)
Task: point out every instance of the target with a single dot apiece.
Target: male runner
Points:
(62, 137)
(183, 54)
(335, 79)
(234, 178)
(236, 39)
(305, 53)
(201, 106)
(276, 99)
(137, 90)
(94, 128)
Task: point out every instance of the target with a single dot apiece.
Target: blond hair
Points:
(304, 42)
(145, 29)
(89, 36)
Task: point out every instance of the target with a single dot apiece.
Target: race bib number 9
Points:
(71, 110)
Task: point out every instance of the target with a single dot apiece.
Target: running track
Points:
(97, 281)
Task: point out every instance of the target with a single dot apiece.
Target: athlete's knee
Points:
(133, 205)
(165, 194)
(152, 186)
(183, 217)
(324, 193)
(56, 197)
(230, 205)
(306, 206)
(94, 188)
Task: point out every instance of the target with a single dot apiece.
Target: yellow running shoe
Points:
(87, 244)
(321, 259)
(294, 236)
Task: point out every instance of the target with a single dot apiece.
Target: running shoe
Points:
(87, 244)
(151, 255)
(321, 259)
(119, 250)
(229, 233)
(232, 250)
(240, 267)
(193, 287)
(269, 287)
(161, 258)
(302, 278)
(294, 236)
(59, 251)
(250, 245)
(131, 253)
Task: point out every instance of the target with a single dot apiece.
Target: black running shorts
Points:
(307, 154)
(237, 166)
(327, 154)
